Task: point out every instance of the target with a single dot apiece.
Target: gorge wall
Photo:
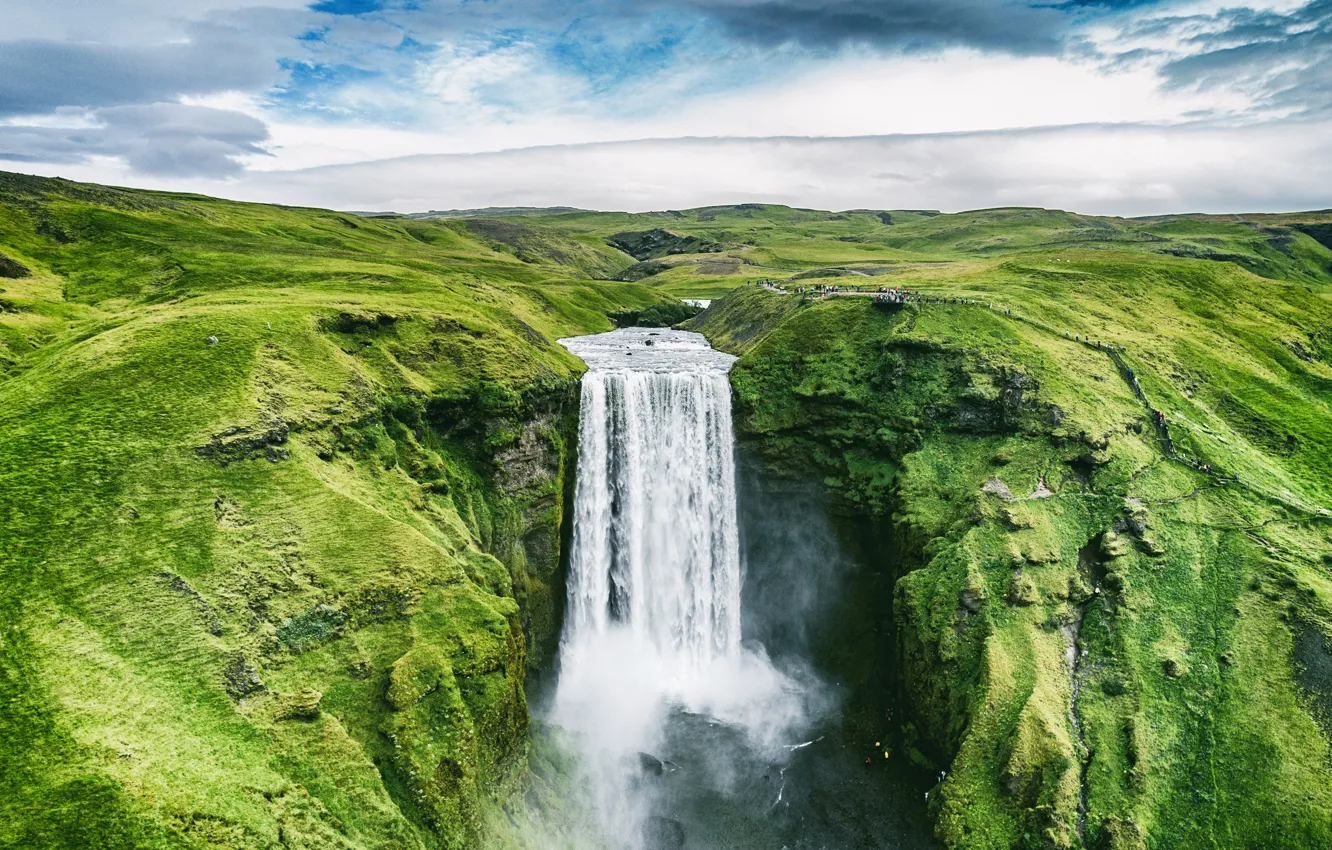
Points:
(334, 600)
(1088, 646)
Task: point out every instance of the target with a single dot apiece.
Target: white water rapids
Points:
(652, 630)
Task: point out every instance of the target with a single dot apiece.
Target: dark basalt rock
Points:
(656, 316)
(246, 443)
(650, 244)
(651, 765)
(12, 268)
(641, 270)
(663, 834)
(241, 679)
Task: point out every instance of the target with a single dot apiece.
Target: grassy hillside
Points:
(281, 493)
(274, 486)
(1104, 638)
(890, 247)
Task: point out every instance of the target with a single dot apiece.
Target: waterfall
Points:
(675, 733)
(655, 544)
(653, 624)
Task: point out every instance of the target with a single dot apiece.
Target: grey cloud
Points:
(1284, 61)
(908, 24)
(1130, 58)
(164, 139)
(119, 21)
(37, 77)
(1003, 25)
(895, 177)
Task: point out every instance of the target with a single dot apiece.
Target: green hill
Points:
(767, 241)
(1110, 634)
(257, 466)
(282, 494)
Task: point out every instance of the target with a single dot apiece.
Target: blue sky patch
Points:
(308, 82)
(348, 7)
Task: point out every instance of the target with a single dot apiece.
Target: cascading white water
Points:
(652, 628)
(655, 546)
(687, 738)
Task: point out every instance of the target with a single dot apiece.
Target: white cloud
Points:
(477, 94)
(474, 74)
(124, 22)
(958, 91)
(1126, 170)
(478, 102)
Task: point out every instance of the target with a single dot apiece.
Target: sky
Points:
(1117, 107)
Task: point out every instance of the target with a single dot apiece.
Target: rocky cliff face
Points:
(458, 714)
(651, 244)
(1091, 648)
(348, 577)
(536, 475)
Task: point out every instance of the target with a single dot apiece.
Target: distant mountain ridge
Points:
(485, 212)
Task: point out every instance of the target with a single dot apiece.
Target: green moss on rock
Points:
(1075, 640)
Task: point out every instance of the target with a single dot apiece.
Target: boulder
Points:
(301, 706)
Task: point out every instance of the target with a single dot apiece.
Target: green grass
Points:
(285, 587)
(1197, 726)
(778, 242)
(309, 499)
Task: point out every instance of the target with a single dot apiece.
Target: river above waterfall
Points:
(650, 350)
(689, 737)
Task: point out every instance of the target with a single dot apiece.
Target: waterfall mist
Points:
(652, 639)
(688, 689)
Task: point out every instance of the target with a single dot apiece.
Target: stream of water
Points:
(689, 737)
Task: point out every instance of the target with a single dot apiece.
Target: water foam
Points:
(653, 620)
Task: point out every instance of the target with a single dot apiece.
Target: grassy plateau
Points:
(282, 506)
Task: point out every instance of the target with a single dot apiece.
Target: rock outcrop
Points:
(655, 243)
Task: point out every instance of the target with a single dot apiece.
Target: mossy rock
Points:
(12, 269)
(299, 706)
(1022, 590)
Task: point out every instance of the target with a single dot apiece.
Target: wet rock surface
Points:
(661, 833)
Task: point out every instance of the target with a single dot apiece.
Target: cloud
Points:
(93, 87)
(1280, 59)
(163, 139)
(1126, 170)
(126, 22)
(999, 25)
(344, 80)
(598, 56)
(38, 77)
(467, 74)
(1002, 25)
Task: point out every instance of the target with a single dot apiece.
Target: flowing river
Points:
(690, 737)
